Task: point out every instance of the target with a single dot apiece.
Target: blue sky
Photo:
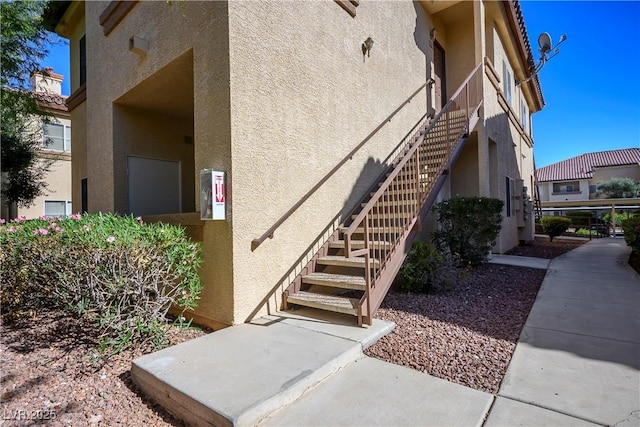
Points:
(591, 89)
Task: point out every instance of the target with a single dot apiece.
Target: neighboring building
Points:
(276, 94)
(56, 148)
(576, 179)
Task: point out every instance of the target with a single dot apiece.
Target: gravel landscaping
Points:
(466, 335)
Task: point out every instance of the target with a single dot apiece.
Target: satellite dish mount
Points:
(547, 52)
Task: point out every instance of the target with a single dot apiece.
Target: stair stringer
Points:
(392, 267)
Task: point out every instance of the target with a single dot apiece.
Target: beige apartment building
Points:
(576, 179)
(330, 120)
(56, 150)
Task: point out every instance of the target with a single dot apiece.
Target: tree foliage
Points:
(617, 188)
(469, 227)
(24, 45)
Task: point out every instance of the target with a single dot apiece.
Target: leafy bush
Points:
(619, 188)
(118, 271)
(425, 268)
(554, 225)
(619, 216)
(631, 227)
(469, 227)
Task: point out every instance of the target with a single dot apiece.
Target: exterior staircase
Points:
(354, 269)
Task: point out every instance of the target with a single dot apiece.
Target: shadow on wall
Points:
(370, 174)
(421, 37)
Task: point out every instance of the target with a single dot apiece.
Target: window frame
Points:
(66, 138)
(510, 188)
(67, 208)
(506, 83)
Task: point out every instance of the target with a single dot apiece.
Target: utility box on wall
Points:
(212, 195)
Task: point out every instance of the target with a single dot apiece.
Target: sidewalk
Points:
(579, 352)
(577, 363)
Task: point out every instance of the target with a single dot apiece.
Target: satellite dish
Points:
(544, 42)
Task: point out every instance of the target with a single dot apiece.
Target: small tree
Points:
(24, 45)
(469, 227)
(617, 188)
(554, 225)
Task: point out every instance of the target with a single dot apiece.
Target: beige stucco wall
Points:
(302, 97)
(510, 147)
(58, 181)
(114, 73)
(281, 94)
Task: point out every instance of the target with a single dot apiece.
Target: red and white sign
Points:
(219, 188)
(219, 208)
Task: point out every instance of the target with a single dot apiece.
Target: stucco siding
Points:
(303, 95)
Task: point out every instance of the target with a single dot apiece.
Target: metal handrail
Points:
(408, 155)
(411, 182)
(269, 233)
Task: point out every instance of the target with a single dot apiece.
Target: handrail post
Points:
(468, 112)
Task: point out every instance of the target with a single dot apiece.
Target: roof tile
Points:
(581, 167)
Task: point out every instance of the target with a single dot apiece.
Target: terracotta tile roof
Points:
(51, 100)
(527, 45)
(581, 167)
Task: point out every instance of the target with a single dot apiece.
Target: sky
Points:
(591, 88)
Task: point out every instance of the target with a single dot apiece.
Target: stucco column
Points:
(484, 166)
(480, 39)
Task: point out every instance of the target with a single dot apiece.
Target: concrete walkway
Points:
(577, 363)
(579, 352)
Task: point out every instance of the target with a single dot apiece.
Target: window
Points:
(84, 203)
(510, 193)
(524, 114)
(83, 60)
(566, 187)
(506, 82)
(56, 137)
(57, 208)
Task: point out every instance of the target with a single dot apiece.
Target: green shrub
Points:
(118, 271)
(469, 227)
(554, 225)
(631, 228)
(425, 268)
(619, 216)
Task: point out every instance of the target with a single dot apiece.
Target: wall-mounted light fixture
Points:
(366, 46)
(432, 34)
(138, 45)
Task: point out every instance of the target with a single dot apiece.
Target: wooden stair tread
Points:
(359, 244)
(377, 229)
(336, 280)
(325, 302)
(341, 261)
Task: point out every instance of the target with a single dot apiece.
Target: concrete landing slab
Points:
(520, 261)
(334, 324)
(507, 412)
(590, 378)
(369, 392)
(239, 375)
